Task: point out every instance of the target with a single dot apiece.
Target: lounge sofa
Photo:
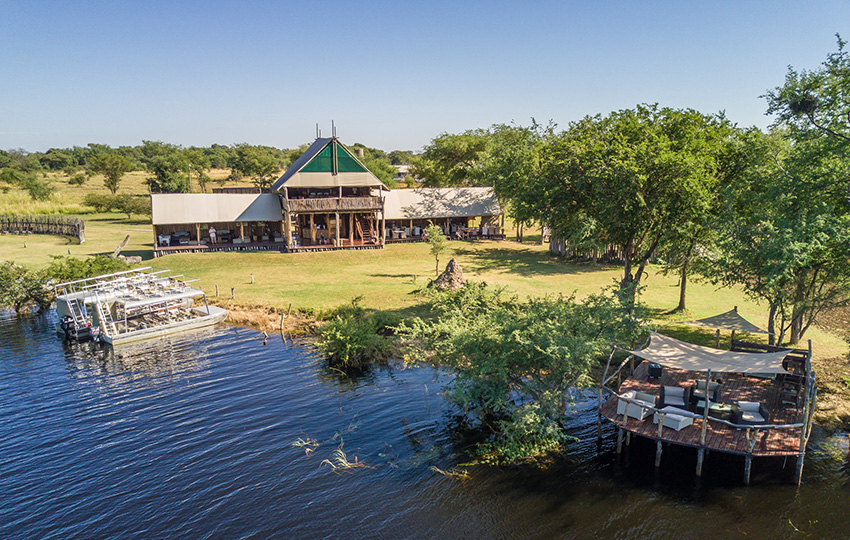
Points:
(674, 418)
(638, 405)
(749, 413)
(698, 391)
(674, 396)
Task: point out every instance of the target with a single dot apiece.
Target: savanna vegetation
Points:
(701, 215)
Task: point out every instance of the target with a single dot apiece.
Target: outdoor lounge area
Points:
(752, 400)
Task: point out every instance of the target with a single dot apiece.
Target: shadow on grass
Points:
(524, 262)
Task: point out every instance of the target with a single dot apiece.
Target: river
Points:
(193, 437)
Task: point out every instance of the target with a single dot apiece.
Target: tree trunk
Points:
(798, 310)
(683, 284)
(771, 324)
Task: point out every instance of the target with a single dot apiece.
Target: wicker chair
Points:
(674, 396)
(749, 413)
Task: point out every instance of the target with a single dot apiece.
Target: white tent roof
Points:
(678, 354)
(430, 203)
(179, 208)
(728, 321)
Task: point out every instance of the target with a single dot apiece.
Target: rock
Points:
(133, 259)
(451, 278)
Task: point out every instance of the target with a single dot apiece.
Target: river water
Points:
(192, 437)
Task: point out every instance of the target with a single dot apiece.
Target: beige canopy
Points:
(728, 321)
(678, 354)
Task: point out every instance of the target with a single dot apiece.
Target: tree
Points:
(21, 288)
(200, 163)
(638, 173)
(112, 166)
(38, 188)
(516, 363)
(453, 159)
(167, 166)
(261, 163)
(437, 243)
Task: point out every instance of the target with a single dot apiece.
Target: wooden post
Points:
(628, 438)
(599, 417)
(337, 239)
(700, 457)
(619, 440)
(707, 403)
(216, 290)
(198, 233)
(312, 229)
(287, 225)
(717, 345)
(658, 454)
(732, 340)
(351, 228)
(241, 231)
(748, 463)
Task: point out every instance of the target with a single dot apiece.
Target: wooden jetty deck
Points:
(756, 441)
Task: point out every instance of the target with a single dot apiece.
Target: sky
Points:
(390, 75)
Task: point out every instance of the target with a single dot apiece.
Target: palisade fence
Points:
(58, 225)
(561, 247)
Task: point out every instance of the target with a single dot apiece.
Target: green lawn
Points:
(385, 278)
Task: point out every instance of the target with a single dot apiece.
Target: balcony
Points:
(332, 204)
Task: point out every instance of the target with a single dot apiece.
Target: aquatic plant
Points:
(454, 472)
(341, 462)
(309, 445)
(354, 336)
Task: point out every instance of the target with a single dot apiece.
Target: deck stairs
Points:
(107, 324)
(365, 235)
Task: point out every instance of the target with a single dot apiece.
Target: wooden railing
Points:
(58, 225)
(332, 204)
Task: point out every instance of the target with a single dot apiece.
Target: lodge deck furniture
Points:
(674, 418)
(674, 396)
(698, 392)
(655, 371)
(636, 404)
(722, 411)
(749, 413)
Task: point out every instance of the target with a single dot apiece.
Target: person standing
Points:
(212, 235)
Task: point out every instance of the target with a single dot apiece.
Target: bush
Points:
(21, 288)
(132, 204)
(354, 337)
(101, 202)
(78, 179)
(38, 188)
(64, 269)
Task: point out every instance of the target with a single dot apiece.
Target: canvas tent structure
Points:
(731, 320)
(330, 199)
(408, 211)
(671, 352)
(182, 222)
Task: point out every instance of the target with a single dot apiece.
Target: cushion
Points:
(752, 416)
(711, 386)
(750, 406)
(674, 391)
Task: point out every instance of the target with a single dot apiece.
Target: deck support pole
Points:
(619, 440)
(717, 346)
(287, 225)
(658, 453)
(628, 438)
(798, 472)
(351, 229)
(313, 229)
(700, 458)
(748, 463)
(599, 417)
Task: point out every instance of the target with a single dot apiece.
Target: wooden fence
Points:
(58, 225)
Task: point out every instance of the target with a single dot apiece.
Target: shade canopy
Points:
(673, 353)
(730, 320)
(187, 208)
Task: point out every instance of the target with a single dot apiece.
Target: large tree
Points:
(167, 165)
(261, 163)
(453, 159)
(637, 174)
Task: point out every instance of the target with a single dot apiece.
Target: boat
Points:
(133, 305)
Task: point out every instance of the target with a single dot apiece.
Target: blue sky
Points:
(392, 75)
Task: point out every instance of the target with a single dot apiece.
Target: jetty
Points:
(753, 400)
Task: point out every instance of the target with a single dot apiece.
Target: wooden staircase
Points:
(365, 234)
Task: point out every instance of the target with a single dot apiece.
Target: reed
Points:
(340, 460)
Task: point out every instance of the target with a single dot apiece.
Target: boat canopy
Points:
(730, 320)
(673, 353)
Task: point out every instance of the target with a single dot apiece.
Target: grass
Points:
(386, 279)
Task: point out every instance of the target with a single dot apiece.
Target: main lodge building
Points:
(326, 200)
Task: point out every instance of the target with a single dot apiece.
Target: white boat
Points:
(133, 305)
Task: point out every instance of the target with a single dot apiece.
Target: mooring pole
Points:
(748, 463)
(619, 440)
(700, 457)
(657, 454)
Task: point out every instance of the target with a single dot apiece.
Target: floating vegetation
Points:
(309, 445)
(341, 462)
(454, 472)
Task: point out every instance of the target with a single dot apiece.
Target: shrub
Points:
(354, 336)
(21, 288)
(101, 202)
(131, 204)
(71, 268)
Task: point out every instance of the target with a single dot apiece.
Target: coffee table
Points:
(715, 410)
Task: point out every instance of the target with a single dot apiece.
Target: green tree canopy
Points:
(112, 166)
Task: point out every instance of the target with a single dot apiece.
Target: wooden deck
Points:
(719, 436)
(206, 248)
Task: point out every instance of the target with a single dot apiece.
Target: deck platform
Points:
(208, 248)
(719, 435)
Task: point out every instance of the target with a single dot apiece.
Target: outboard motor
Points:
(67, 326)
